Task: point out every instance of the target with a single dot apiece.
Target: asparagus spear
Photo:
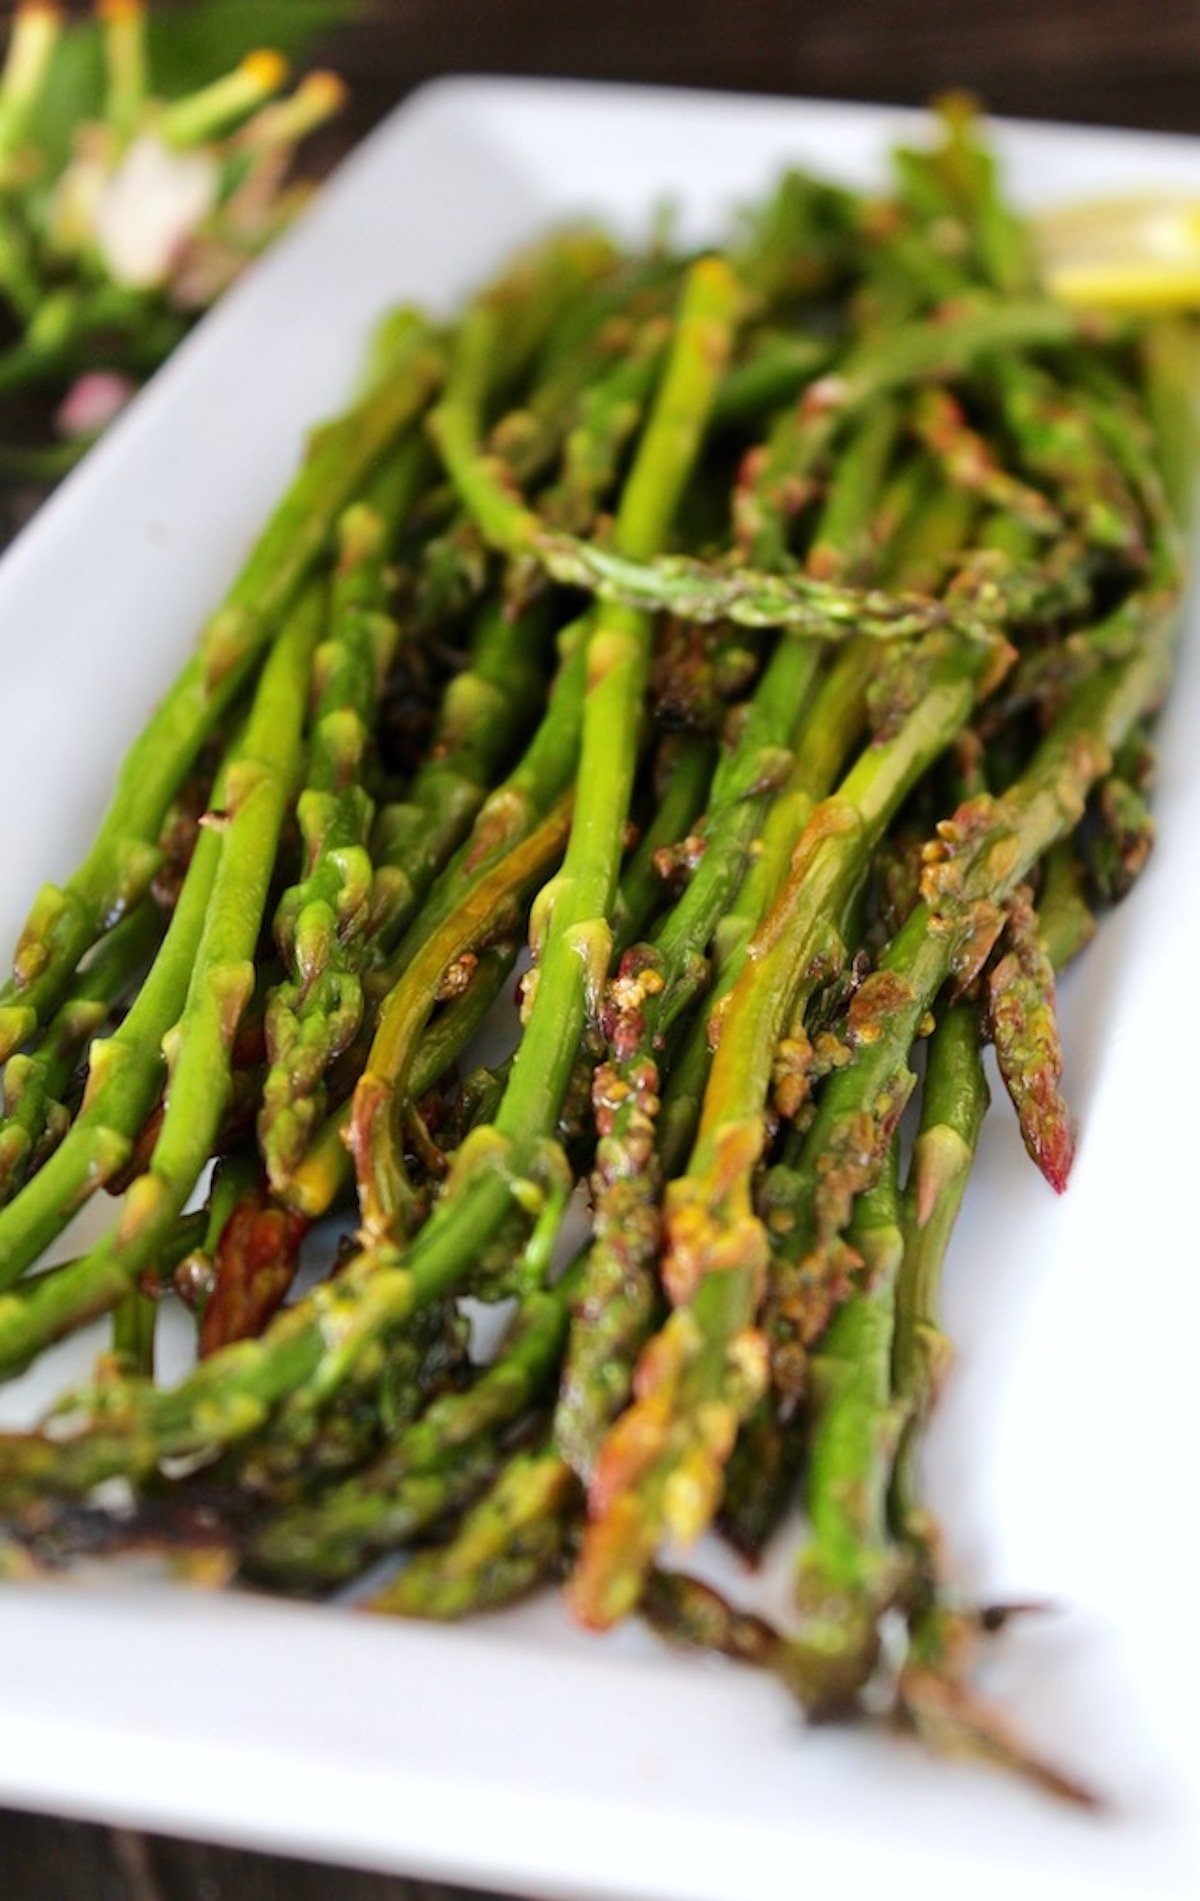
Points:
(506, 327)
(610, 412)
(682, 775)
(33, 37)
(863, 1429)
(971, 462)
(954, 1103)
(850, 1571)
(505, 818)
(581, 416)
(35, 1083)
(696, 590)
(1024, 1029)
(923, 524)
(320, 922)
(1058, 442)
(934, 1692)
(691, 1614)
(1169, 357)
(953, 1106)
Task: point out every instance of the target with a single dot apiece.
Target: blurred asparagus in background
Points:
(128, 204)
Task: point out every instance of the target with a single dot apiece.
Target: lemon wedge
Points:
(1134, 253)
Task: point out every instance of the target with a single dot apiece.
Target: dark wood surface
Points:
(1105, 61)
(46, 1859)
(1100, 61)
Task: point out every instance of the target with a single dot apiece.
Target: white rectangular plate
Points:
(517, 1753)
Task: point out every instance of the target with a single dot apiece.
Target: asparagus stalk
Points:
(505, 819)
(589, 407)
(35, 1083)
(971, 463)
(864, 1427)
(123, 26)
(683, 771)
(934, 1693)
(320, 922)
(953, 1106)
(1024, 1029)
(691, 1614)
(590, 382)
(34, 34)
(1057, 440)
(699, 591)
(914, 526)
(504, 329)
(1169, 355)
(610, 412)
(850, 1571)
(311, 1442)
(828, 735)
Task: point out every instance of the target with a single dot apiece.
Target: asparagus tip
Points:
(953, 1720)
(266, 68)
(17, 1021)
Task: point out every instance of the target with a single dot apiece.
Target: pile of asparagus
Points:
(769, 640)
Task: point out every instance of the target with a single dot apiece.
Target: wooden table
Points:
(1098, 61)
